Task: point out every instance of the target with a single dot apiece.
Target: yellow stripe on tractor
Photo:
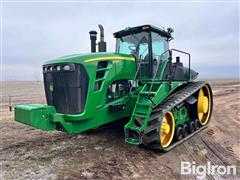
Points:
(110, 58)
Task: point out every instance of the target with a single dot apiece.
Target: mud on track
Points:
(27, 153)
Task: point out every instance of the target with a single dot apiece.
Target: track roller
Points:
(185, 130)
(191, 126)
(179, 133)
(196, 124)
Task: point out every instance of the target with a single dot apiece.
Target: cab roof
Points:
(138, 29)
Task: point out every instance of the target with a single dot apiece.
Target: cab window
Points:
(159, 46)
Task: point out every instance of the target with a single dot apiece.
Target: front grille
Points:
(66, 90)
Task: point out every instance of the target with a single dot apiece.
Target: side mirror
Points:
(170, 30)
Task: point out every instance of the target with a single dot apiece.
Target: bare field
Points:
(28, 153)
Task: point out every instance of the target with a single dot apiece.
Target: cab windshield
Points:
(135, 44)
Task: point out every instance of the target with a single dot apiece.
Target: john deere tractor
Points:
(142, 81)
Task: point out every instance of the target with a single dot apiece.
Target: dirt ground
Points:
(28, 153)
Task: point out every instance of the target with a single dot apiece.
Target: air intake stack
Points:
(93, 38)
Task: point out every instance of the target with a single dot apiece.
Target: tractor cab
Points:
(148, 44)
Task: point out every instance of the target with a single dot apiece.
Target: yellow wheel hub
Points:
(167, 129)
(204, 105)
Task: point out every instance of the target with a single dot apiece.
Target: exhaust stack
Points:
(102, 45)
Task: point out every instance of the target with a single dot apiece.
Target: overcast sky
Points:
(36, 32)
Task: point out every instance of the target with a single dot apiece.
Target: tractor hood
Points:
(90, 57)
(69, 80)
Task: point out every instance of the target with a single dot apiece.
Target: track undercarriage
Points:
(181, 115)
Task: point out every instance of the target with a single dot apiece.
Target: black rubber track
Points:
(150, 136)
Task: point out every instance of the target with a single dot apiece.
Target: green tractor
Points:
(141, 81)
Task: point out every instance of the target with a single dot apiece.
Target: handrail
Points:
(170, 58)
(155, 74)
(135, 77)
(189, 60)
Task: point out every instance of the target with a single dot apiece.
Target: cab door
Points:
(159, 45)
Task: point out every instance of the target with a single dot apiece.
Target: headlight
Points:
(58, 68)
(66, 67)
(50, 68)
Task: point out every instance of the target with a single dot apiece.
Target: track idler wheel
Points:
(204, 105)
